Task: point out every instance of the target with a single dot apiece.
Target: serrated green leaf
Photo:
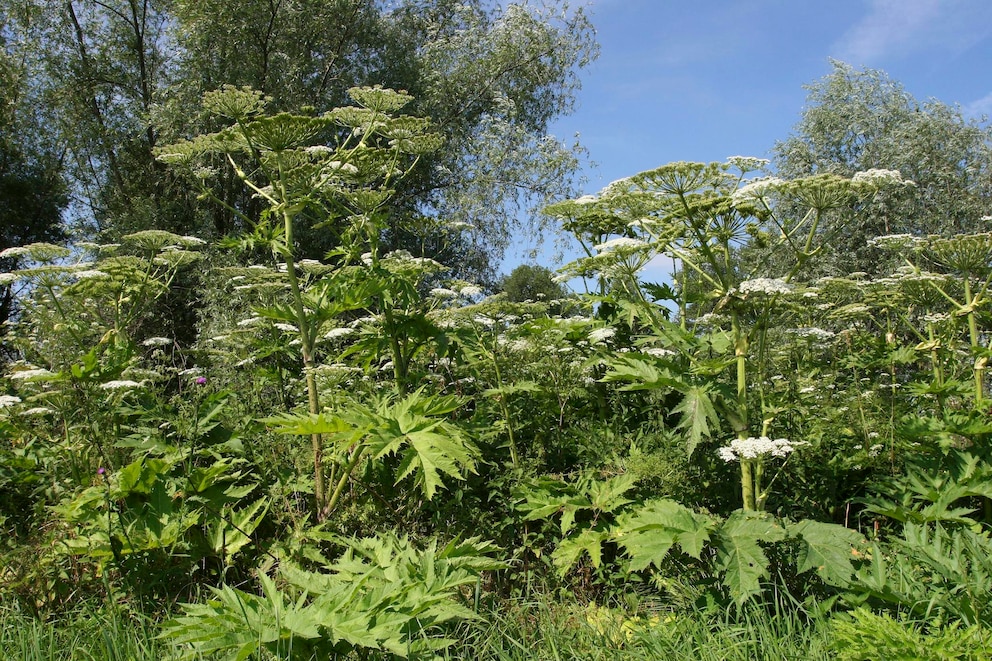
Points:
(649, 532)
(828, 548)
(739, 557)
(697, 412)
(569, 551)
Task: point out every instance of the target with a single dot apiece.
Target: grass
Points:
(84, 634)
(538, 630)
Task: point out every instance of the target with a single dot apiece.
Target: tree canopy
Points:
(860, 119)
(124, 76)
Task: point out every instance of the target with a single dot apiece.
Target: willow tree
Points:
(125, 75)
(859, 120)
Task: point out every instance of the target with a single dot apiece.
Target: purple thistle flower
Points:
(201, 380)
(101, 470)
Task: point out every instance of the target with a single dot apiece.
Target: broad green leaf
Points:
(607, 496)
(643, 373)
(697, 412)
(739, 556)
(570, 550)
(140, 476)
(828, 548)
(649, 532)
(306, 424)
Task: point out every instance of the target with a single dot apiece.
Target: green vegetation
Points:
(309, 437)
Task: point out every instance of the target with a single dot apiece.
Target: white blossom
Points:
(288, 328)
(812, 333)
(600, 335)
(23, 375)
(747, 163)
(622, 243)
(755, 189)
(37, 410)
(757, 447)
(338, 332)
(156, 342)
(443, 292)
(120, 384)
(880, 177)
(471, 291)
(90, 273)
(9, 400)
(768, 286)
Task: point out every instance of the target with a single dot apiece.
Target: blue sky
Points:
(703, 80)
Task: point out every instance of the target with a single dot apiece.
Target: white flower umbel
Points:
(24, 375)
(335, 333)
(120, 384)
(768, 286)
(600, 335)
(880, 177)
(156, 342)
(756, 189)
(747, 163)
(757, 447)
(620, 244)
(8, 400)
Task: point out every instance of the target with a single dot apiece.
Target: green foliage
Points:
(866, 635)
(859, 119)
(383, 593)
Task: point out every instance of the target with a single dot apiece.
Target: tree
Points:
(32, 189)
(857, 120)
(532, 283)
(125, 75)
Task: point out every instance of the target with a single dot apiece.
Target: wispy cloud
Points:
(979, 107)
(897, 28)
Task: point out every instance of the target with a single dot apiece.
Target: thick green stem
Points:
(747, 485)
(980, 362)
(356, 456)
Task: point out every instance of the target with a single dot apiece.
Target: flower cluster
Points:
(879, 177)
(769, 286)
(757, 447)
(756, 189)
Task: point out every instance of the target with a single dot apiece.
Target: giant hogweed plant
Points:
(701, 217)
(335, 171)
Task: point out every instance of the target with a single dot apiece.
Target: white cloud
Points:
(896, 28)
(979, 107)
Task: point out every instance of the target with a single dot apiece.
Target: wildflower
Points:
(8, 278)
(101, 470)
(880, 177)
(471, 291)
(757, 447)
(89, 273)
(8, 400)
(443, 292)
(120, 384)
(620, 244)
(812, 333)
(600, 335)
(586, 199)
(756, 189)
(37, 410)
(201, 381)
(335, 333)
(24, 375)
(156, 342)
(288, 328)
(769, 286)
(747, 163)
